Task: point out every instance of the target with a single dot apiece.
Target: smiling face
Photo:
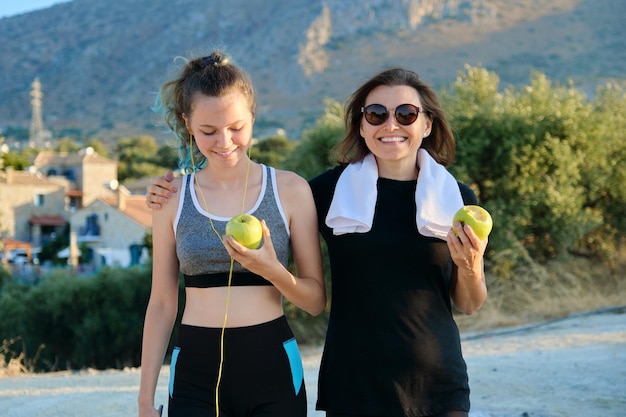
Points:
(395, 145)
(221, 127)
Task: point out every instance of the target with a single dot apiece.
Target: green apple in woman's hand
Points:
(475, 217)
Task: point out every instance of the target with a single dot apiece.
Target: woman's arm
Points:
(468, 286)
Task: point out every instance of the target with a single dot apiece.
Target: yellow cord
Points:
(219, 372)
(232, 262)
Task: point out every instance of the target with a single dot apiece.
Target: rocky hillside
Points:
(100, 62)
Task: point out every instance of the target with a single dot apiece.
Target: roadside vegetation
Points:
(547, 161)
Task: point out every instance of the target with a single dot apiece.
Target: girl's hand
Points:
(150, 411)
(261, 261)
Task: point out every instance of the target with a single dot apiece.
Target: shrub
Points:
(83, 322)
(545, 161)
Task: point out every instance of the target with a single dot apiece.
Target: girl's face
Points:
(392, 141)
(221, 126)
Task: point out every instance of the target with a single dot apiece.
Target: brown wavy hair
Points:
(440, 144)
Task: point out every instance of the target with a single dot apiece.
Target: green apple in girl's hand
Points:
(475, 217)
(246, 229)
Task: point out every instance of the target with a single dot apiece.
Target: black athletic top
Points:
(392, 346)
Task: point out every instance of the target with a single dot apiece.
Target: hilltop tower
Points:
(38, 135)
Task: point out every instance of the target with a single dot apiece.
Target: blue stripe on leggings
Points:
(175, 353)
(295, 361)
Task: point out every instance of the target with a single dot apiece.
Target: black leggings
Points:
(448, 414)
(262, 372)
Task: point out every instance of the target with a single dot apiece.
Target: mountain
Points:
(101, 62)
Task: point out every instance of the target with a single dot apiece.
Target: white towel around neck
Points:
(437, 198)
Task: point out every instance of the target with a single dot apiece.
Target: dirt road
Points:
(570, 367)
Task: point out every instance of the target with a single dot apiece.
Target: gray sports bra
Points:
(203, 259)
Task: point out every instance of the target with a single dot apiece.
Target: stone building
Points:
(36, 204)
(32, 208)
(88, 174)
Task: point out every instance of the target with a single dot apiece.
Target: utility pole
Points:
(38, 135)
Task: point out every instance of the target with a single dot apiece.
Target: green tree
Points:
(272, 150)
(603, 143)
(137, 157)
(531, 154)
(313, 153)
(15, 160)
(167, 156)
(97, 146)
(68, 145)
(19, 159)
(147, 242)
(50, 249)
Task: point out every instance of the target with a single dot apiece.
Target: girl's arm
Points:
(162, 307)
(307, 290)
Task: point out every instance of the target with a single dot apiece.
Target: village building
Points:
(79, 191)
(112, 229)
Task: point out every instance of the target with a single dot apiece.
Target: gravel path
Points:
(570, 367)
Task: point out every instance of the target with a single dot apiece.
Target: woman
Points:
(235, 354)
(392, 346)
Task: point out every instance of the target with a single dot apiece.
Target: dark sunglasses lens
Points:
(406, 114)
(376, 114)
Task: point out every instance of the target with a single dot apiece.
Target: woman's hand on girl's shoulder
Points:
(160, 190)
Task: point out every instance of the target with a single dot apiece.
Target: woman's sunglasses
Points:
(377, 114)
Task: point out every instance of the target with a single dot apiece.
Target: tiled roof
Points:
(9, 244)
(26, 178)
(48, 220)
(14, 242)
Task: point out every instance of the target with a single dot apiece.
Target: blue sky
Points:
(13, 7)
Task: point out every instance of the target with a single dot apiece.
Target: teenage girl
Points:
(235, 354)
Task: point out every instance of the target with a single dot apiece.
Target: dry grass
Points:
(13, 367)
(543, 292)
(10, 365)
(14, 364)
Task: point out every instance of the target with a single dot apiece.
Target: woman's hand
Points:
(160, 190)
(468, 287)
(465, 247)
